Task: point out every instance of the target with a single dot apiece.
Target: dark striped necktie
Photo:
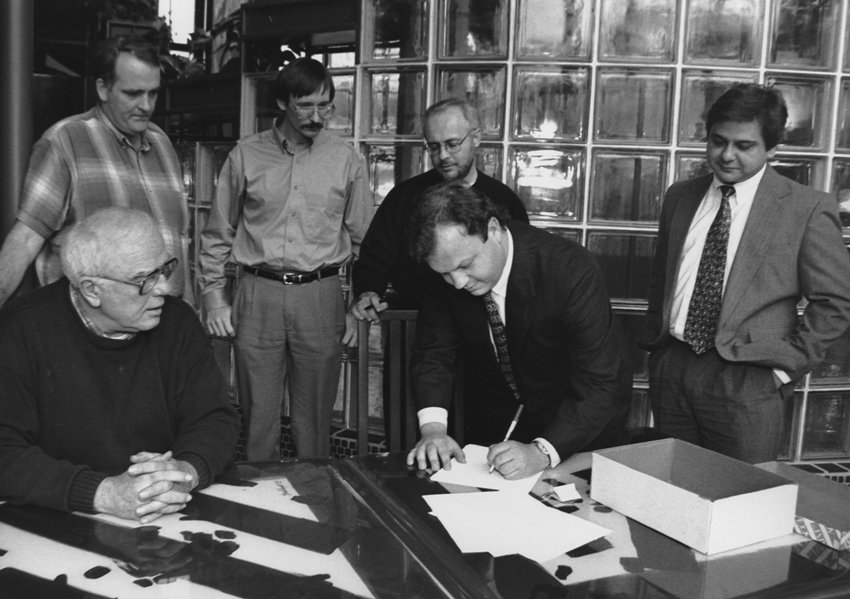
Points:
(704, 309)
(500, 339)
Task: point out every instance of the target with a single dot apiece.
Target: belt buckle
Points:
(290, 278)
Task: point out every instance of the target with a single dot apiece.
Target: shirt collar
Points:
(77, 302)
(743, 189)
(501, 286)
(144, 144)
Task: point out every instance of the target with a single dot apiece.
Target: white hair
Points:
(98, 244)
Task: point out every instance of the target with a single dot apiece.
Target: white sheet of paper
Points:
(567, 492)
(506, 523)
(476, 473)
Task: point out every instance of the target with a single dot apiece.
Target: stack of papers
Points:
(506, 521)
(476, 473)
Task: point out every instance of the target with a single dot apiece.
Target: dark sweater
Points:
(75, 406)
(383, 253)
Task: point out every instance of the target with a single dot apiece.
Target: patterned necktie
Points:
(500, 339)
(704, 309)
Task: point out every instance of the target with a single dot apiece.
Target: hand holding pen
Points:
(510, 429)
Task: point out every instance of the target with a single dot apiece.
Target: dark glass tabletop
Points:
(633, 560)
(360, 528)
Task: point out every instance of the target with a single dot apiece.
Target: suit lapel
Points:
(762, 224)
(521, 291)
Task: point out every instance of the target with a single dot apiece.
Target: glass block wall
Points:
(591, 108)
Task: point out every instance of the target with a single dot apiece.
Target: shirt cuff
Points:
(554, 458)
(433, 414)
(782, 376)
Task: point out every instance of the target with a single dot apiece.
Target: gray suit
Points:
(791, 249)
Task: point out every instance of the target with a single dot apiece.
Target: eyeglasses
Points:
(452, 145)
(306, 110)
(148, 281)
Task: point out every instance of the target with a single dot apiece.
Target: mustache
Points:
(313, 126)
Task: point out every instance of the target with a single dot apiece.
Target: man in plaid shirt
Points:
(111, 155)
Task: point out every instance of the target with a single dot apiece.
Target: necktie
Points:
(704, 309)
(500, 339)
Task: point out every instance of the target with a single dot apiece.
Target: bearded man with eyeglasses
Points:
(452, 135)
(291, 208)
(112, 401)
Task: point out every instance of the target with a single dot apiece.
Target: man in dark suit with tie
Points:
(737, 252)
(564, 352)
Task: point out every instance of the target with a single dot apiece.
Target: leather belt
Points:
(293, 278)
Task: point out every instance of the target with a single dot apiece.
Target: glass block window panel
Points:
(841, 187)
(339, 59)
(475, 28)
(723, 32)
(808, 109)
(638, 30)
(835, 368)
(827, 428)
(483, 87)
(847, 47)
(488, 160)
(803, 33)
(805, 171)
(549, 181)
(554, 29)
(265, 105)
(700, 89)
(627, 186)
(843, 138)
(342, 119)
(573, 235)
(632, 324)
(792, 414)
(186, 157)
(633, 105)
(626, 260)
(396, 102)
(390, 164)
(689, 166)
(396, 29)
(550, 103)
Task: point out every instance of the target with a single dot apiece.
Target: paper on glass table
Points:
(476, 473)
(507, 523)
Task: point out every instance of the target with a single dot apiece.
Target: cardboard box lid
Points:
(822, 500)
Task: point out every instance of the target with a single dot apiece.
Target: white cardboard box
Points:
(701, 498)
(823, 508)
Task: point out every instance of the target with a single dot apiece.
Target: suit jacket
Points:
(791, 249)
(567, 354)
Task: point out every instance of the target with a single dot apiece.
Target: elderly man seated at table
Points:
(111, 399)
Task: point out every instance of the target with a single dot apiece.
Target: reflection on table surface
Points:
(359, 528)
(633, 560)
(290, 529)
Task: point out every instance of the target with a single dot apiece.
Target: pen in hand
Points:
(510, 430)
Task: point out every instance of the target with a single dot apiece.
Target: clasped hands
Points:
(511, 459)
(155, 484)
